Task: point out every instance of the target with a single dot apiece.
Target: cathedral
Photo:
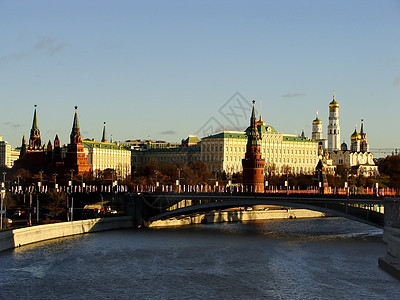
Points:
(35, 156)
(357, 157)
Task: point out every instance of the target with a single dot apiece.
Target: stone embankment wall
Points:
(23, 236)
(391, 236)
(238, 216)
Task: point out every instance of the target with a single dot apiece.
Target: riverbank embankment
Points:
(18, 237)
(238, 216)
(391, 261)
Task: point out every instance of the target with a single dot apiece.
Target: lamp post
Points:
(156, 172)
(347, 183)
(3, 193)
(37, 196)
(178, 183)
(55, 181)
(287, 181)
(216, 175)
(18, 177)
(69, 210)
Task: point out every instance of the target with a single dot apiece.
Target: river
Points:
(328, 258)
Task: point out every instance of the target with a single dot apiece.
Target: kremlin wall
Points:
(260, 149)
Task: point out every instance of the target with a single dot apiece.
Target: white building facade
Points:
(102, 156)
(282, 152)
(7, 154)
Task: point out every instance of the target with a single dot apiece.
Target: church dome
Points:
(317, 121)
(355, 136)
(343, 147)
(261, 122)
(333, 104)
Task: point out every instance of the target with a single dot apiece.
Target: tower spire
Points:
(75, 136)
(362, 127)
(76, 122)
(253, 112)
(35, 125)
(104, 137)
(35, 141)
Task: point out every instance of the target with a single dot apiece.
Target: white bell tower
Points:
(333, 126)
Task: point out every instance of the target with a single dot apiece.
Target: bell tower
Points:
(333, 126)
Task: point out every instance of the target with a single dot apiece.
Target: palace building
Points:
(282, 153)
(104, 155)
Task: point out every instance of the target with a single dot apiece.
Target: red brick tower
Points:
(32, 155)
(35, 142)
(76, 159)
(253, 163)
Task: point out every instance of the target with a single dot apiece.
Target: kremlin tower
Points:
(76, 159)
(253, 163)
(33, 154)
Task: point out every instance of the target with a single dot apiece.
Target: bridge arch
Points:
(340, 207)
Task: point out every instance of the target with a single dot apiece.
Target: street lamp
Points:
(216, 175)
(178, 183)
(18, 177)
(72, 178)
(156, 172)
(40, 182)
(70, 210)
(3, 193)
(287, 181)
(55, 181)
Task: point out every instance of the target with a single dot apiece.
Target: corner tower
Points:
(76, 158)
(253, 163)
(333, 126)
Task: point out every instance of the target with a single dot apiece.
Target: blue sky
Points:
(164, 68)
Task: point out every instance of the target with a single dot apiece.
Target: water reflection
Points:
(288, 259)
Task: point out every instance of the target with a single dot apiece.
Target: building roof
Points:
(227, 135)
(290, 138)
(100, 145)
(169, 150)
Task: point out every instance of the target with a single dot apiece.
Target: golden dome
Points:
(333, 104)
(355, 136)
(317, 121)
(261, 122)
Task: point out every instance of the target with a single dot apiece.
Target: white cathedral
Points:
(333, 153)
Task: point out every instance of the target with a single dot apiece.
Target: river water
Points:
(329, 258)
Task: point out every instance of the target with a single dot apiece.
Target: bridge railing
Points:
(240, 189)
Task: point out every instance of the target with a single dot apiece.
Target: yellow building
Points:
(7, 154)
(103, 155)
(282, 152)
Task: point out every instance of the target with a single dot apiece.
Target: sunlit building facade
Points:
(282, 152)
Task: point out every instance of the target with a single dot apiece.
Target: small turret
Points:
(22, 153)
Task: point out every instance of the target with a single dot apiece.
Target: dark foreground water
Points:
(330, 258)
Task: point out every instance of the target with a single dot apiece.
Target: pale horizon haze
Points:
(164, 68)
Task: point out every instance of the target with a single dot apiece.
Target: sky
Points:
(168, 69)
